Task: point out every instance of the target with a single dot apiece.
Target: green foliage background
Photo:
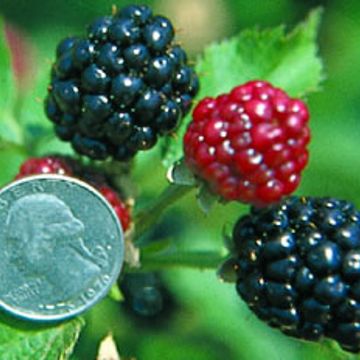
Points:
(209, 321)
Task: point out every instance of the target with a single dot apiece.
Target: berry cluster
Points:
(65, 166)
(115, 90)
(298, 268)
(249, 145)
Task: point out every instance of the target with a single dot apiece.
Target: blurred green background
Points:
(206, 319)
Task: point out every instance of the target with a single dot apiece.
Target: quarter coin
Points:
(62, 247)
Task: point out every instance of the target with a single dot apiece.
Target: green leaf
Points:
(9, 128)
(20, 341)
(289, 61)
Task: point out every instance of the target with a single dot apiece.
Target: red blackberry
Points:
(113, 92)
(120, 208)
(69, 167)
(249, 145)
(298, 268)
(45, 165)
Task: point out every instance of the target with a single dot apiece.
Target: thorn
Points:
(49, 88)
(130, 202)
(38, 100)
(174, 135)
(114, 9)
(108, 349)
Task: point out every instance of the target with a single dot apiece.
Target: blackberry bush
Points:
(298, 268)
(114, 91)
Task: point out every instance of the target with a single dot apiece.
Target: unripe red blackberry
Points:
(298, 268)
(249, 145)
(121, 209)
(116, 90)
(46, 165)
(62, 165)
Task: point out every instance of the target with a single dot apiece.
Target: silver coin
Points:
(61, 247)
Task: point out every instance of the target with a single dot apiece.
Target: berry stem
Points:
(189, 259)
(151, 214)
(4, 145)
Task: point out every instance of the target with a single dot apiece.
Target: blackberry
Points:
(143, 293)
(297, 266)
(147, 298)
(65, 45)
(137, 56)
(124, 83)
(249, 145)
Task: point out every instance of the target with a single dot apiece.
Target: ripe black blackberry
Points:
(147, 298)
(114, 91)
(298, 268)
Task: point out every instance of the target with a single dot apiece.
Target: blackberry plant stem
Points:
(151, 214)
(189, 259)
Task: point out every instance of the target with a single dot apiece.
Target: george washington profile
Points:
(45, 241)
